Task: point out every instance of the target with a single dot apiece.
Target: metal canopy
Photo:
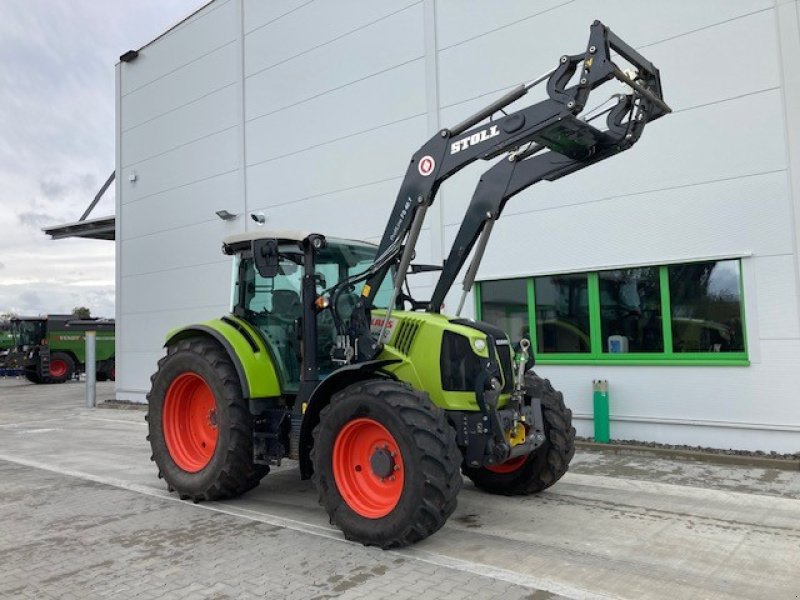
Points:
(93, 229)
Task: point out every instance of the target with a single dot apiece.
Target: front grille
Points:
(406, 333)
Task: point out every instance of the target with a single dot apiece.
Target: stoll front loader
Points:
(385, 401)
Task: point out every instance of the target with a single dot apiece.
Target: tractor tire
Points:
(62, 368)
(32, 375)
(548, 463)
(386, 464)
(200, 427)
(106, 372)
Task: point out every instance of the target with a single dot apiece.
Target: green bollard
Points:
(602, 426)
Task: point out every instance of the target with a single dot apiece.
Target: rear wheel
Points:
(542, 468)
(386, 464)
(200, 425)
(62, 367)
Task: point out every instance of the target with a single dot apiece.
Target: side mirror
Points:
(266, 257)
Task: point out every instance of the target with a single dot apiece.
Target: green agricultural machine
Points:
(327, 357)
(48, 351)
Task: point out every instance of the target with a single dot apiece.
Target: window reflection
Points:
(505, 305)
(706, 307)
(562, 313)
(630, 310)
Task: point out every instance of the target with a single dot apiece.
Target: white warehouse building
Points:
(670, 270)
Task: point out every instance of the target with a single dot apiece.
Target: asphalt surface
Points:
(83, 515)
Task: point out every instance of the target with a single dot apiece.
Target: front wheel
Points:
(548, 463)
(386, 464)
(200, 425)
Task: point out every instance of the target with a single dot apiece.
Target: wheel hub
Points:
(382, 462)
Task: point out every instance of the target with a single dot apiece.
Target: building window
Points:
(562, 313)
(671, 314)
(505, 304)
(705, 302)
(630, 310)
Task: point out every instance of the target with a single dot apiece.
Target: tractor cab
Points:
(28, 332)
(272, 300)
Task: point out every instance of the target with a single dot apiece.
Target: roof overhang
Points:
(93, 229)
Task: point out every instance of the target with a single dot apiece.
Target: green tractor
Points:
(328, 359)
(48, 351)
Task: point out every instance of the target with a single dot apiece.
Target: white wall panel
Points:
(527, 48)
(369, 157)
(133, 372)
(688, 77)
(212, 72)
(152, 327)
(209, 29)
(359, 213)
(461, 20)
(339, 63)
(258, 13)
(170, 250)
(776, 288)
(210, 156)
(184, 206)
(358, 107)
(191, 287)
(208, 115)
(311, 26)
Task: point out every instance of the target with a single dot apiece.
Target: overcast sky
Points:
(57, 62)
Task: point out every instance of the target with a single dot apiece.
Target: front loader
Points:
(328, 359)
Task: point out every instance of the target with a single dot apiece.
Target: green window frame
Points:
(596, 356)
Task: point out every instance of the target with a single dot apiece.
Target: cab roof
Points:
(242, 241)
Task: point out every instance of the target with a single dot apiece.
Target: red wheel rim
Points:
(509, 466)
(58, 368)
(190, 422)
(368, 468)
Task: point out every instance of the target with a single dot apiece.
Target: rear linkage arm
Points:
(452, 149)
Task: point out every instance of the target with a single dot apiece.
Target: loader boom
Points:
(551, 124)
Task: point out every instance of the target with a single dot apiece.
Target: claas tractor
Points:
(327, 358)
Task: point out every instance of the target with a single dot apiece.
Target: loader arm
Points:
(507, 178)
(551, 123)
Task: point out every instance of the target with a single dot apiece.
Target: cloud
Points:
(57, 143)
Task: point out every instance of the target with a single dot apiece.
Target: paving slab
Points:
(83, 513)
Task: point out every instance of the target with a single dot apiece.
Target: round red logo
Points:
(426, 165)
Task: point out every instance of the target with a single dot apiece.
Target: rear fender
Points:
(321, 397)
(250, 357)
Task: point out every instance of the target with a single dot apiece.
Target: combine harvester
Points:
(48, 351)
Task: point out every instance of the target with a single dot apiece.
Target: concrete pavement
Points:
(615, 527)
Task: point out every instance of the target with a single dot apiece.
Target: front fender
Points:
(250, 356)
(321, 397)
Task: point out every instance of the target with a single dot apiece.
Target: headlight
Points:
(480, 345)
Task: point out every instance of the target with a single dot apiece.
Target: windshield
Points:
(27, 333)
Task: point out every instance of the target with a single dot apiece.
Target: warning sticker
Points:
(426, 165)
